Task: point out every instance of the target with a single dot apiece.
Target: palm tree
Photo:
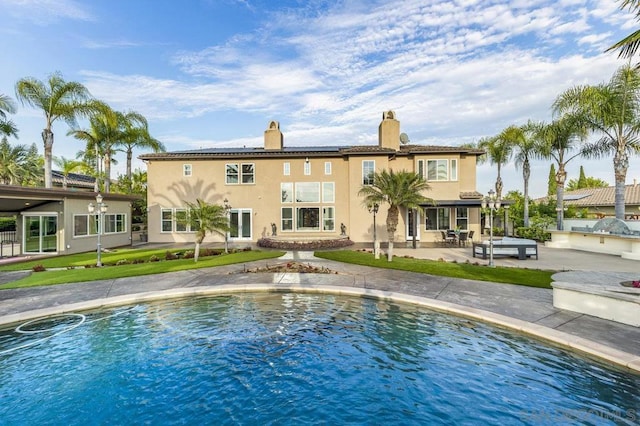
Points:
(57, 98)
(6, 126)
(66, 166)
(12, 162)
(204, 217)
(524, 146)
(401, 189)
(558, 140)
(498, 152)
(629, 45)
(135, 134)
(611, 110)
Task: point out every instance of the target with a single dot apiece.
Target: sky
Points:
(214, 73)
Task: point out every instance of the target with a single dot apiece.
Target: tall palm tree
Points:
(401, 189)
(135, 134)
(498, 152)
(629, 45)
(7, 107)
(57, 98)
(558, 142)
(612, 111)
(206, 218)
(66, 167)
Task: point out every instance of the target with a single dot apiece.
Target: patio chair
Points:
(463, 238)
(448, 238)
(471, 235)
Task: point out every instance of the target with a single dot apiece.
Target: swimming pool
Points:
(274, 358)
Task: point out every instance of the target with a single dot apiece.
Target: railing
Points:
(8, 239)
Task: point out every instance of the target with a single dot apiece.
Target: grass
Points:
(527, 277)
(110, 272)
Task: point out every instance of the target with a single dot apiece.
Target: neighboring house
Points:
(309, 192)
(53, 220)
(75, 181)
(600, 202)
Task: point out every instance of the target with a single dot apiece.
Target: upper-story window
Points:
(368, 170)
(307, 167)
(187, 170)
(240, 173)
(327, 167)
(286, 169)
(438, 170)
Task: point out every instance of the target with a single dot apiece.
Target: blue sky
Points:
(213, 73)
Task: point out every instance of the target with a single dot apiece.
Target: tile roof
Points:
(594, 197)
(73, 179)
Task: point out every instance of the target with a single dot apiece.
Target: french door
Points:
(240, 223)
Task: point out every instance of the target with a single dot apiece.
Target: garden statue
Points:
(343, 230)
(274, 230)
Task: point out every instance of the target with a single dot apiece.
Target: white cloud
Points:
(43, 12)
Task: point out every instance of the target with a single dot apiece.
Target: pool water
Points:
(286, 358)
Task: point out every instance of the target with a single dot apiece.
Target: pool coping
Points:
(579, 344)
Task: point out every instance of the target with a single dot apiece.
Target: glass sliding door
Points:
(40, 233)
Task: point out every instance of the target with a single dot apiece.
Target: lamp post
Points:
(376, 247)
(227, 210)
(100, 208)
(493, 203)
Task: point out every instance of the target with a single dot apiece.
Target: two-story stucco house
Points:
(309, 192)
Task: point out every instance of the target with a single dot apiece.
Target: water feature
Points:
(287, 358)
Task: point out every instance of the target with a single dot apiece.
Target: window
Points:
(80, 225)
(462, 218)
(328, 192)
(286, 169)
(307, 168)
(307, 192)
(286, 189)
(437, 170)
(231, 173)
(181, 220)
(248, 173)
(454, 170)
(327, 167)
(114, 223)
(437, 219)
(167, 220)
(328, 219)
(240, 173)
(287, 219)
(186, 170)
(308, 219)
(368, 169)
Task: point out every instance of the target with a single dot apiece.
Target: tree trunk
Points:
(620, 166)
(392, 225)
(561, 176)
(526, 173)
(196, 251)
(129, 156)
(499, 184)
(107, 172)
(47, 139)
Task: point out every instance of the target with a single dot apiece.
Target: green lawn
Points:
(111, 272)
(528, 277)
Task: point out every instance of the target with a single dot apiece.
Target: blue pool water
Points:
(282, 358)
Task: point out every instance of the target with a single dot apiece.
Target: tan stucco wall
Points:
(168, 188)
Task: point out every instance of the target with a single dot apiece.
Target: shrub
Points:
(123, 262)
(170, 256)
(38, 268)
(189, 254)
(154, 258)
(136, 261)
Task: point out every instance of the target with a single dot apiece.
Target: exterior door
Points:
(40, 233)
(410, 226)
(240, 222)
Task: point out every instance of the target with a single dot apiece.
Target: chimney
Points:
(273, 138)
(389, 131)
